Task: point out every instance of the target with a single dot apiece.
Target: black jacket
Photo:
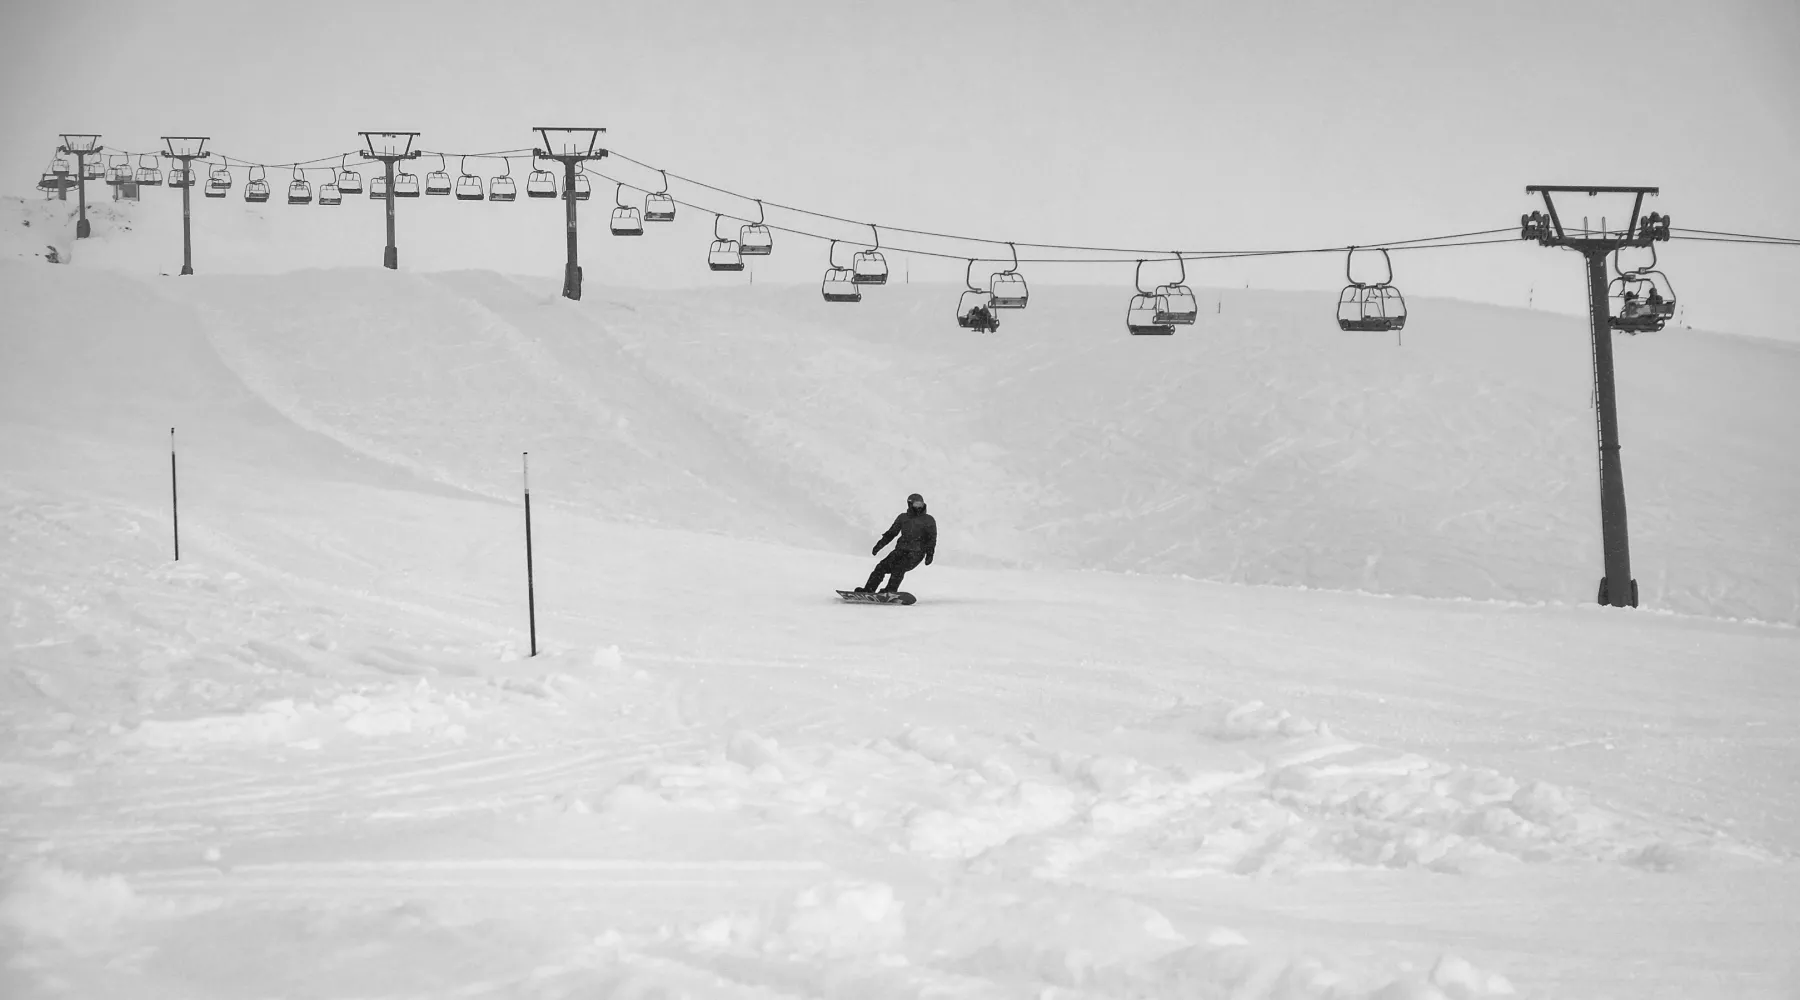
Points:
(918, 533)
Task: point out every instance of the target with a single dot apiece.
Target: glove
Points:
(928, 557)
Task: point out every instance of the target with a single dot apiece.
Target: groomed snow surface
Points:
(1257, 662)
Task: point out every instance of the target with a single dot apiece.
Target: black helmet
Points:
(915, 500)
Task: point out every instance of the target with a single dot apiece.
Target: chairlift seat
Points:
(1371, 309)
(584, 189)
(117, 175)
(627, 222)
(256, 191)
(724, 255)
(468, 188)
(1009, 290)
(330, 194)
(1145, 316)
(540, 184)
(1180, 308)
(180, 177)
(839, 285)
(349, 182)
(503, 188)
(659, 208)
(378, 187)
(437, 183)
(970, 308)
(149, 177)
(217, 189)
(300, 193)
(756, 240)
(869, 267)
(93, 170)
(406, 185)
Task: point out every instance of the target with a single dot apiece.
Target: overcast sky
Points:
(1157, 124)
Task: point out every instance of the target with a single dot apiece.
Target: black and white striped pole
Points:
(530, 586)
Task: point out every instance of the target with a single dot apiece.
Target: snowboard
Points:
(900, 597)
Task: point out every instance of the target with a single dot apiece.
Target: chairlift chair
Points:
(406, 185)
(503, 188)
(839, 283)
(59, 165)
(540, 183)
(299, 190)
(150, 176)
(1148, 313)
(1639, 301)
(181, 177)
(330, 193)
(348, 181)
(584, 188)
(256, 189)
(218, 182)
(869, 266)
(468, 186)
(626, 219)
(1008, 286)
(1181, 308)
(975, 310)
(1370, 307)
(437, 182)
(92, 169)
(754, 237)
(378, 187)
(118, 173)
(658, 206)
(723, 254)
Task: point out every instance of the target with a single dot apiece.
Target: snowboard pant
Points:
(894, 567)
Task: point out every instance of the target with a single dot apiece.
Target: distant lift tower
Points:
(185, 149)
(390, 148)
(81, 147)
(1550, 229)
(571, 146)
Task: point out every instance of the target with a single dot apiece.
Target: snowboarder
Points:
(918, 542)
(982, 318)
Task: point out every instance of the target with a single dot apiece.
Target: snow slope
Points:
(311, 758)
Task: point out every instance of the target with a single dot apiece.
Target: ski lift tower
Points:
(81, 147)
(185, 149)
(1550, 228)
(570, 146)
(390, 148)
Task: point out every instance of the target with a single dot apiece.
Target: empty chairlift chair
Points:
(1148, 313)
(330, 193)
(378, 187)
(584, 188)
(406, 185)
(869, 267)
(626, 220)
(218, 183)
(1180, 308)
(723, 254)
(148, 176)
(92, 169)
(1008, 286)
(503, 187)
(256, 189)
(839, 283)
(1375, 307)
(181, 177)
(437, 182)
(118, 171)
(658, 206)
(299, 191)
(468, 186)
(754, 237)
(348, 181)
(540, 183)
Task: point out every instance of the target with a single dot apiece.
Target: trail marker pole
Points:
(390, 148)
(570, 146)
(174, 497)
(530, 586)
(80, 146)
(1617, 588)
(185, 149)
